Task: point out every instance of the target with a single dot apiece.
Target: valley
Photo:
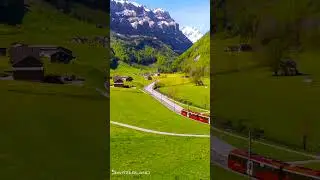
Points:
(146, 55)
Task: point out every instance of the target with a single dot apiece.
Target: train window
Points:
(293, 176)
(238, 159)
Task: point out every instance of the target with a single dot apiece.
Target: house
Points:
(147, 77)
(3, 51)
(127, 78)
(45, 50)
(28, 68)
(48, 50)
(18, 51)
(117, 81)
(61, 56)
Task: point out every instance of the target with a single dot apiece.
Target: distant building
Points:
(28, 68)
(17, 52)
(117, 81)
(148, 77)
(61, 56)
(127, 78)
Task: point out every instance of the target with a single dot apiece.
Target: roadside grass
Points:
(284, 107)
(260, 149)
(314, 165)
(218, 173)
(52, 131)
(136, 108)
(166, 157)
(182, 89)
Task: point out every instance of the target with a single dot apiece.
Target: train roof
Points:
(258, 158)
(276, 163)
(303, 170)
(196, 113)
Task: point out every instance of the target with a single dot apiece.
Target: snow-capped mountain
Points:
(192, 33)
(131, 18)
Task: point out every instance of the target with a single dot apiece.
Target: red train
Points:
(196, 116)
(263, 168)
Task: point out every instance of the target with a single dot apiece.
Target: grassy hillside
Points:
(142, 50)
(252, 97)
(184, 90)
(197, 56)
(54, 131)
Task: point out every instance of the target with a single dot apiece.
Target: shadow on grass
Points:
(66, 95)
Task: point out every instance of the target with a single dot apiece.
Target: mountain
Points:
(196, 57)
(192, 33)
(131, 18)
(143, 50)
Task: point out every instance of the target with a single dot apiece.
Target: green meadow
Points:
(53, 131)
(183, 90)
(166, 157)
(134, 107)
(284, 107)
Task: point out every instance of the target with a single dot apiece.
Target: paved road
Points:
(219, 148)
(163, 99)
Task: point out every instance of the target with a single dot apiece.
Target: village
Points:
(119, 81)
(27, 63)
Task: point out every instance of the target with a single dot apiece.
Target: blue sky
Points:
(194, 13)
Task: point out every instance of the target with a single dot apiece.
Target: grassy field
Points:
(166, 157)
(54, 131)
(127, 107)
(218, 173)
(314, 165)
(284, 107)
(182, 89)
(49, 131)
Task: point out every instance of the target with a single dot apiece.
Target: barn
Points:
(28, 68)
(117, 81)
(61, 56)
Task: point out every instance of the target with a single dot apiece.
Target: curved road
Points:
(163, 99)
(219, 149)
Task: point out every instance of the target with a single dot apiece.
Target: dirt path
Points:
(157, 132)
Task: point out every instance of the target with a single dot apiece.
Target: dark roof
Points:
(21, 59)
(117, 78)
(57, 52)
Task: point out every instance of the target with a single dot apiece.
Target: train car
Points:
(195, 116)
(263, 168)
(258, 167)
(300, 173)
(184, 112)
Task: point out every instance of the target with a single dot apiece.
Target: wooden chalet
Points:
(61, 56)
(117, 81)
